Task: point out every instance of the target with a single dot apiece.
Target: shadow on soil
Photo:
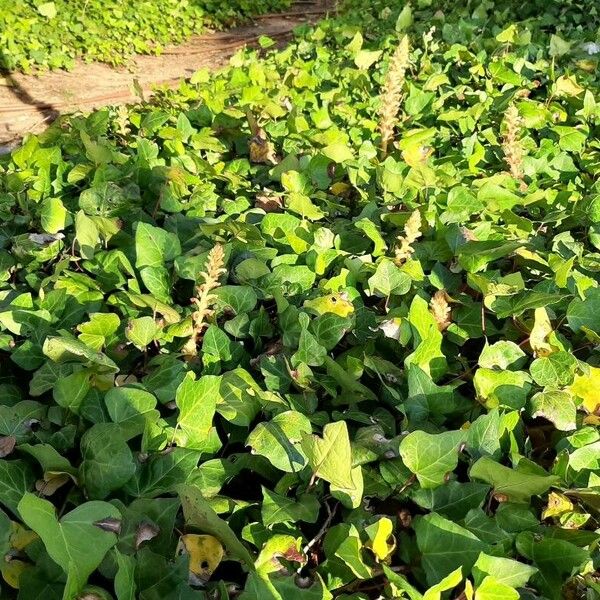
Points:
(47, 111)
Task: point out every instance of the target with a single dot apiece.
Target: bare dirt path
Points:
(28, 103)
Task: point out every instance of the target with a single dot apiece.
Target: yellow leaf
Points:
(381, 541)
(567, 86)
(542, 328)
(587, 64)
(205, 554)
(468, 589)
(11, 572)
(416, 155)
(448, 583)
(51, 482)
(20, 537)
(340, 188)
(593, 420)
(338, 304)
(558, 504)
(587, 387)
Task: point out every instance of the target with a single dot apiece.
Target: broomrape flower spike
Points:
(412, 232)
(440, 309)
(392, 93)
(204, 298)
(511, 145)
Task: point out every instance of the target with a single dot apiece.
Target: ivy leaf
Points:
(389, 280)
(452, 500)
(338, 152)
(492, 589)
(431, 456)
(61, 350)
(155, 246)
(16, 478)
(445, 546)
(586, 386)
(98, 330)
(70, 392)
(513, 484)
(198, 513)
(107, 463)
(279, 439)
(309, 352)
(330, 457)
(448, 583)
(132, 409)
(125, 586)
(48, 10)
(141, 332)
(556, 370)
(162, 472)
(54, 215)
(279, 509)
(405, 19)
(553, 557)
(379, 534)
(197, 401)
(587, 457)
(366, 58)
(504, 570)
(74, 542)
(585, 313)
(558, 407)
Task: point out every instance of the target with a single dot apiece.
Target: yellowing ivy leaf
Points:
(21, 537)
(587, 387)
(542, 328)
(449, 582)
(12, 571)
(366, 58)
(558, 504)
(205, 553)
(47, 9)
(566, 85)
(338, 304)
(381, 541)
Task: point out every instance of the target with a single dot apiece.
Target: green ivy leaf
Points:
(197, 401)
(76, 542)
(107, 463)
(445, 546)
(279, 439)
(431, 456)
(516, 485)
(330, 457)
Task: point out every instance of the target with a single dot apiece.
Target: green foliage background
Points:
(329, 433)
(38, 35)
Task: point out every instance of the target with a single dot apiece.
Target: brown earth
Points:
(28, 103)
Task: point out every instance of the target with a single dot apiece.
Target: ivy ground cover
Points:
(50, 35)
(322, 325)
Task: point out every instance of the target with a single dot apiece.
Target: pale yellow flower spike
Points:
(511, 144)
(412, 232)
(392, 93)
(440, 309)
(204, 298)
